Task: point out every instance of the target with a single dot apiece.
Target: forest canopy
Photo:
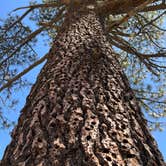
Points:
(136, 29)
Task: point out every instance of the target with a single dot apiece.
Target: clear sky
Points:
(7, 6)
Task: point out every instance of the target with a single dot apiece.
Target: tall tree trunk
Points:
(82, 111)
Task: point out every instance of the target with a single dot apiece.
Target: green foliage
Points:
(14, 57)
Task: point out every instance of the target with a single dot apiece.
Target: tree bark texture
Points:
(82, 111)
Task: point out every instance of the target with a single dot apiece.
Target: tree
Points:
(82, 110)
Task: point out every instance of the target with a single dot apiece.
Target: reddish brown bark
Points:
(82, 111)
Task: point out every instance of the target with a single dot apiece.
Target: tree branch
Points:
(152, 21)
(27, 39)
(155, 8)
(8, 84)
(144, 58)
(151, 100)
(19, 19)
(115, 7)
(125, 46)
(32, 35)
(39, 6)
(30, 8)
(129, 14)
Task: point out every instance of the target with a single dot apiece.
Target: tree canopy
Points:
(136, 30)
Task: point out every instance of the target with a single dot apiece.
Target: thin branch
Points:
(152, 22)
(32, 35)
(30, 8)
(147, 106)
(151, 38)
(116, 7)
(144, 91)
(39, 6)
(129, 15)
(32, 49)
(154, 8)
(162, 123)
(19, 19)
(156, 65)
(125, 46)
(146, 33)
(9, 83)
(151, 100)
(144, 58)
(117, 32)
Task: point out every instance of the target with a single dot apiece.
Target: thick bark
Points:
(82, 111)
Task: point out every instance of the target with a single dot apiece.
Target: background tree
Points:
(126, 32)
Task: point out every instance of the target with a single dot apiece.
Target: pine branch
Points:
(155, 7)
(151, 22)
(33, 35)
(125, 46)
(9, 83)
(144, 58)
(115, 7)
(144, 91)
(147, 33)
(26, 40)
(130, 14)
(31, 8)
(151, 100)
(19, 19)
(39, 6)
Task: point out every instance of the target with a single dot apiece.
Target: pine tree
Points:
(82, 109)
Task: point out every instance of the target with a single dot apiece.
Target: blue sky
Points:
(6, 7)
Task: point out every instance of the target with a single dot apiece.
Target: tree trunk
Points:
(82, 111)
